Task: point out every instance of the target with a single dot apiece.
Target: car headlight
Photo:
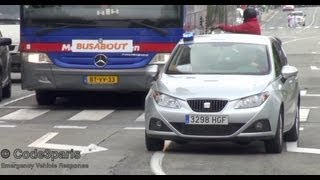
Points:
(160, 58)
(39, 58)
(252, 101)
(165, 100)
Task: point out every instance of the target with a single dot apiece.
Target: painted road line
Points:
(15, 100)
(313, 95)
(134, 128)
(69, 127)
(141, 117)
(304, 114)
(42, 143)
(21, 107)
(301, 128)
(303, 92)
(24, 114)
(271, 27)
(310, 107)
(2, 122)
(293, 147)
(156, 163)
(90, 115)
(316, 27)
(280, 27)
(7, 126)
(314, 68)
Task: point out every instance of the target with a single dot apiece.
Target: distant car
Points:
(299, 17)
(229, 87)
(5, 68)
(288, 8)
(10, 28)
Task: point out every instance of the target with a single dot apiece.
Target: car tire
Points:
(275, 145)
(6, 92)
(293, 134)
(154, 144)
(45, 98)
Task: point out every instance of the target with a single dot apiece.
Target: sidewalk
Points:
(266, 16)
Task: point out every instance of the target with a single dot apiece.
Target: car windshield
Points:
(219, 58)
(297, 14)
(9, 14)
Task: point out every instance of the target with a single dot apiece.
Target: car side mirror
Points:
(5, 41)
(289, 71)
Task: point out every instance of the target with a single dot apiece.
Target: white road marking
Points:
(316, 27)
(293, 147)
(156, 163)
(42, 143)
(308, 27)
(20, 107)
(303, 92)
(313, 17)
(314, 68)
(15, 100)
(2, 122)
(69, 127)
(24, 114)
(141, 117)
(310, 107)
(7, 126)
(301, 128)
(134, 128)
(271, 27)
(313, 52)
(90, 115)
(312, 95)
(280, 27)
(299, 39)
(304, 114)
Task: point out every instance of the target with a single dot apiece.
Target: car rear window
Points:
(219, 58)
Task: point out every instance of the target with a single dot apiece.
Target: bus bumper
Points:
(53, 78)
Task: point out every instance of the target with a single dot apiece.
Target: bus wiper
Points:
(45, 31)
(162, 31)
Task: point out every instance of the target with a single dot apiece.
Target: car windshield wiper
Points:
(160, 30)
(45, 31)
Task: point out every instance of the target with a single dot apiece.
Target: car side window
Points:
(277, 60)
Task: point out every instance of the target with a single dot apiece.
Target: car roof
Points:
(226, 37)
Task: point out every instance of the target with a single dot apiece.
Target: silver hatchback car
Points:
(227, 87)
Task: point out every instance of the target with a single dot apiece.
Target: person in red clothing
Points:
(250, 24)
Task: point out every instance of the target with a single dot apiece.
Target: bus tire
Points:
(45, 98)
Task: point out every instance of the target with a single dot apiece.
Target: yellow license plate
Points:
(102, 79)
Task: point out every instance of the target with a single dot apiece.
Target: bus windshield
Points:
(113, 16)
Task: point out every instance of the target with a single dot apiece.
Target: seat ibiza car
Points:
(227, 87)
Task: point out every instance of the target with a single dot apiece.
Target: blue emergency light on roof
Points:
(188, 36)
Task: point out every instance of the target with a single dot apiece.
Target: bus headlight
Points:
(160, 58)
(39, 58)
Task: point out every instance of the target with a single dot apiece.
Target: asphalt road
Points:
(109, 129)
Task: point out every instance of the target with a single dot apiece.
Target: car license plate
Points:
(207, 119)
(102, 79)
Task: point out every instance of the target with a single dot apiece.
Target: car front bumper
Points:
(53, 78)
(246, 117)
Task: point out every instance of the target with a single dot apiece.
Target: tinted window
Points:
(219, 58)
(277, 60)
(9, 14)
(104, 15)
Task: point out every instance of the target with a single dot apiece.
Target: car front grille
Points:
(215, 105)
(207, 130)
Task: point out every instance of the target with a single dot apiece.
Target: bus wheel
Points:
(45, 98)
